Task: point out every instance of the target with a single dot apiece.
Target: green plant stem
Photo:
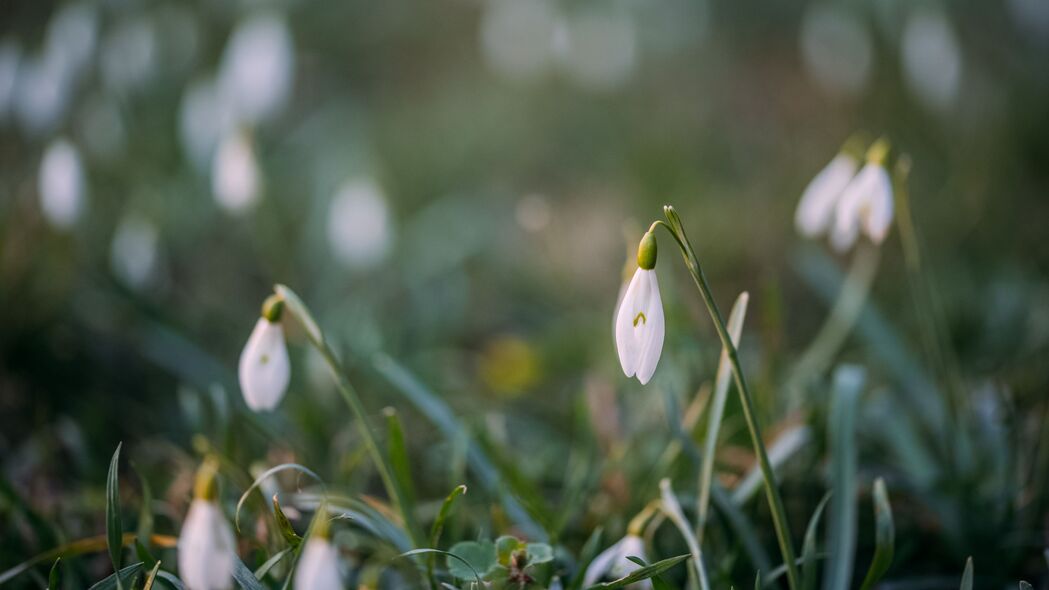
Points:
(349, 395)
(779, 513)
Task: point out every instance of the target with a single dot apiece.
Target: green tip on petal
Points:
(646, 251)
(321, 523)
(878, 153)
(206, 486)
(272, 308)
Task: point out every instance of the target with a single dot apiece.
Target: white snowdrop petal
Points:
(265, 369)
(877, 216)
(258, 67)
(652, 343)
(319, 567)
(601, 565)
(235, 174)
(61, 184)
(816, 208)
(206, 548)
(626, 343)
(853, 201)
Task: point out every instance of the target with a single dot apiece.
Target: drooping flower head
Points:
(318, 567)
(265, 369)
(639, 320)
(206, 547)
(816, 208)
(612, 563)
(866, 204)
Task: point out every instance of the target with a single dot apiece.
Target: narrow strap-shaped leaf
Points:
(272, 561)
(808, 548)
(722, 381)
(841, 535)
(641, 573)
(152, 577)
(114, 528)
(589, 551)
(1024, 585)
(397, 450)
(438, 526)
(258, 481)
(967, 575)
(284, 525)
(885, 536)
(245, 577)
(170, 579)
(477, 576)
(672, 509)
(124, 576)
(52, 577)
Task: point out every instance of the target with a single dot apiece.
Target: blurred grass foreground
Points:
(324, 295)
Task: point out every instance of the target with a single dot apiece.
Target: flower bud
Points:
(646, 251)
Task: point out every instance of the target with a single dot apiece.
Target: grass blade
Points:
(477, 576)
(397, 450)
(808, 548)
(152, 577)
(272, 561)
(114, 528)
(438, 527)
(717, 411)
(640, 574)
(245, 577)
(586, 555)
(672, 509)
(885, 536)
(841, 536)
(52, 577)
(258, 481)
(118, 579)
(967, 575)
(284, 525)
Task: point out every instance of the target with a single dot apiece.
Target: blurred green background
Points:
(458, 184)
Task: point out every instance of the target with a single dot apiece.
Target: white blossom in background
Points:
(72, 35)
(264, 368)
(133, 254)
(836, 49)
(932, 59)
(129, 55)
(42, 93)
(1032, 17)
(258, 67)
(359, 227)
(612, 563)
(639, 317)
(865, 206)
(206, 546)
(533, 213)
(819, 201)
(318, 568)
(601, 49)
(235, 177)
(10, 56)
(204, 119)
(518, 36)
(61, 184)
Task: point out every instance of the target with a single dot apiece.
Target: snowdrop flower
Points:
(816, 208)
(206, 548)
(612, 563)
(61, 184)
(318, 568)
(639, 320)
(264, 366)
(235, 173)
(866, 203)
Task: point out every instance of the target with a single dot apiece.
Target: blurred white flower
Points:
(133, 254)
(836, 49)
(258, 67)
(818, 202)
(932, 59)
(612, 563)
(235, 173)
(71, 37)
(601, 49)
(41, 93)
(1031, 16)
(865, 204)
(318, 569)
(639, 319)
(265, 369)
(61, 184)
(518, 36)
(204, 119)
(359, 227)
(206, 548)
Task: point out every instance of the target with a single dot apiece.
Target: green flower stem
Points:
(779, 513)
(349, 395)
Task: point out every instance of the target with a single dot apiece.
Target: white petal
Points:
(319, 567)
(601, 565)
(206, 548)
(264, 366)
(877, 215)
(235, 174)
(652, 332)
(853, 201)
(816, 208)
(627, 344)
(61, 184)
